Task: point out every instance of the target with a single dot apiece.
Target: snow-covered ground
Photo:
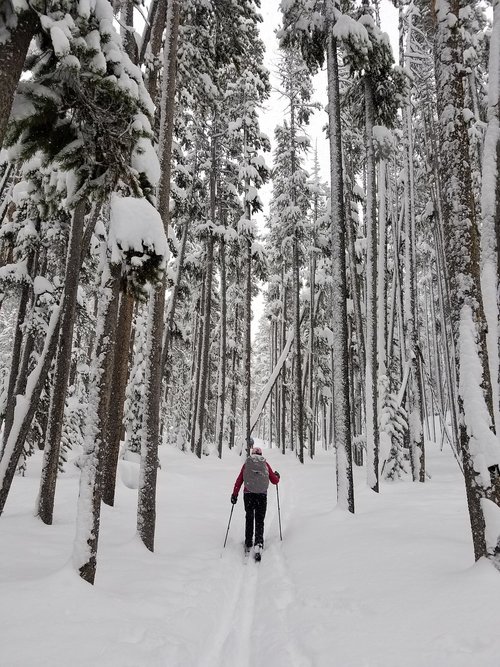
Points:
(393, 586)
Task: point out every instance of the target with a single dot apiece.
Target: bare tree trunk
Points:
(234, 364)
(25, 408)
(356, 294)
(345, 488)
(221, 393)
(171, 307)
(205, 343)
(478, 443)
(153, 38)
(277, 370)
(283, 391)
(12, 56)
(312, 391)
(299, 399)
(417, 450)
(89, 500)
(45, 504)
(248, 340)
(146, 510)
(372, 432)
(490, 211)
(15, 365)
(119, 385)
(193, 385)
(127, 29)
(273, 395)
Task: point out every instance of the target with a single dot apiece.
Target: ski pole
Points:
(227, 531)
(279, 513)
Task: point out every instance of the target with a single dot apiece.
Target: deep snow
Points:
(393, 586)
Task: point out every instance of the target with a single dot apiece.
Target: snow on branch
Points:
(137, 238)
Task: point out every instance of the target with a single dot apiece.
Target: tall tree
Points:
(478, 443)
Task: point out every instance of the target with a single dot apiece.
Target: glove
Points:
(277, 474)
(234, 500)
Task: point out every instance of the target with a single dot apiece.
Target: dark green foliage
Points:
(304, 26)
(148, 270)
(389, 83)
(79, 106)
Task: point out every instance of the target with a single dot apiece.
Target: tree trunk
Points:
(26, 405)
(25, 408)
(234, 365)
(146, 510)
(119, 384)
(417, 450)
(205, 357)
(127, 29)
(153, 38)
(282, 416)
(490, 211)
(15, 365)
(45, 504)
(345, 488)
(12, 56)
(478, 443)
(221, 392)
(197, 371)
(248, 340)
(299, 400)
(312, 391)
(372, 432)
(89, 499)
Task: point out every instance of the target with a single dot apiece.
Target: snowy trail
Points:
(393, 586)
(233, 639)
(280, 647)
(254, 623)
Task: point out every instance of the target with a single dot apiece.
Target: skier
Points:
(256, 473)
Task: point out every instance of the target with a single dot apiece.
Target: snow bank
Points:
(392, 586)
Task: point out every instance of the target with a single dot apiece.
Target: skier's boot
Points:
(258, 552)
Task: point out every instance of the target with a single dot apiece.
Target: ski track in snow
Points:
(232, 642)
(282, 590)
(255, 619)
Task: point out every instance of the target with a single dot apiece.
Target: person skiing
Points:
(256, 473)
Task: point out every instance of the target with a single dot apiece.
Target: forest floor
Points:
(393, 586)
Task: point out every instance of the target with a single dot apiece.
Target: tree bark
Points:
(89, 499)
(417, 449)
(372, 432)
(119, 385)
(221, 393)
(205, 365)
(345, 488)
(45, 504)
(146, 511)
(15, 366)
(12, 56)
(479, 445)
